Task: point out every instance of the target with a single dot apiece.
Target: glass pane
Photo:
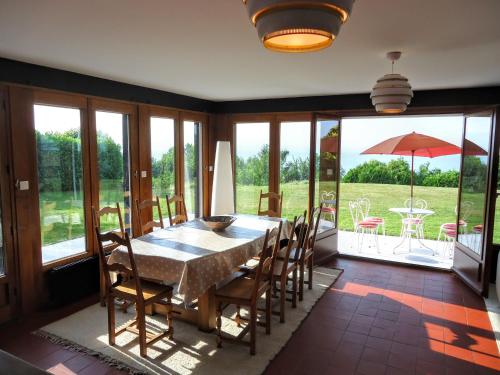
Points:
(252, 165)
(474, 182)
(114, 167)
(294, 167)
(192, 167)
(162, 160)
(60, 181)
(325, 187)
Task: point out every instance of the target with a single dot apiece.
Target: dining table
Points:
(194, 259)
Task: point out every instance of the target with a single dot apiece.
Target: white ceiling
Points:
(209, 49)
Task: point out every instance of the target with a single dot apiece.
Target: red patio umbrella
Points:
(329, 144)
(415, 144)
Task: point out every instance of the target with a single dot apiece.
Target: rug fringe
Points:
(70, 345)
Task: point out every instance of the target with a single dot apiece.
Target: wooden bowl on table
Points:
(219, 222)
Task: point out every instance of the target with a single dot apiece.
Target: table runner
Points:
(194, 256)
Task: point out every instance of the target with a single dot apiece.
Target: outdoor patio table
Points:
(406, 212)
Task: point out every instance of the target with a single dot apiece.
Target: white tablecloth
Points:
(194, 256)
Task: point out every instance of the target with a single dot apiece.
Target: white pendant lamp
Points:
(392, 93)
(222, 188)
(298, 25)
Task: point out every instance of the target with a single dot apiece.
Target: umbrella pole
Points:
(411, 180)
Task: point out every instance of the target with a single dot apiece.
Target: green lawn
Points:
(63, 215)
(440, 200)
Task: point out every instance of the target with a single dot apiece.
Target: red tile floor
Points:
(376, 319)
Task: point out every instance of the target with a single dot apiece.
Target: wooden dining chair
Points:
(178, 201)
(135, 290)
(270, 196)
(286, 265)
(143, 209)
(108, 248)
(306, 258)
(247, 290)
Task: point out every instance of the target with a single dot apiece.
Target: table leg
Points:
(206, 310)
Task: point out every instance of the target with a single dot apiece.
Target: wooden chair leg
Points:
(294, 288)
(102, 286)
(238, 316)
(111, 319)
(310, 271)
(253, 324)
(282, 298)
(268, 312)
(170, 320)
(219, 325)
(141, 327)
(301, 281)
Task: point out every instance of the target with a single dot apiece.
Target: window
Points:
(162, 160)
(294, 167)
(251, 165)
(192, 168)
(325, 185)
(472, 202)
(113, 158)
(60, 181)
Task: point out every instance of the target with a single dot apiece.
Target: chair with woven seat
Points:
(306, 257)
(108, 248)
(247, 290)
(178, 201)
(140, 292)
(144, 209)
(271, 197)
(289, 265)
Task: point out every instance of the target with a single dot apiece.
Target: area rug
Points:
(191, 351)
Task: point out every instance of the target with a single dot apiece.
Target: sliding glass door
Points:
(476, 203)
(327, 168)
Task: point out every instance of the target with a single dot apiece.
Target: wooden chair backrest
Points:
(110, 211)
(129, 272)
(270, 196)
(178, 201)
(146, 205)
(300, 232)
(265, 261)
(313, 225)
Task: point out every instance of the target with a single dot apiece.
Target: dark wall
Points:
(40, 76)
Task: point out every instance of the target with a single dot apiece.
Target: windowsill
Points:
(63, 252)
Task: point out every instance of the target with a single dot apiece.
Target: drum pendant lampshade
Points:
(222, 188)
(298, 25)
(392, 93)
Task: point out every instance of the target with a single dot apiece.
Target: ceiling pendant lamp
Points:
(298, 26)
(392, 93)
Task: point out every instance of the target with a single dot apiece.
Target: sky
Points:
(357, 135)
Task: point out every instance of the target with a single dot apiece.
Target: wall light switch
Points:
(144, 174)
(210, 168)
(329, 172)
(24, 185)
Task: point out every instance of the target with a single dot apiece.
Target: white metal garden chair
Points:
(448, 231)
(362, 227)
(364, 206)
(329, 209)
(414, 223)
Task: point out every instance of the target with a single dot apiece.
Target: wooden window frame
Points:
(63, 100)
